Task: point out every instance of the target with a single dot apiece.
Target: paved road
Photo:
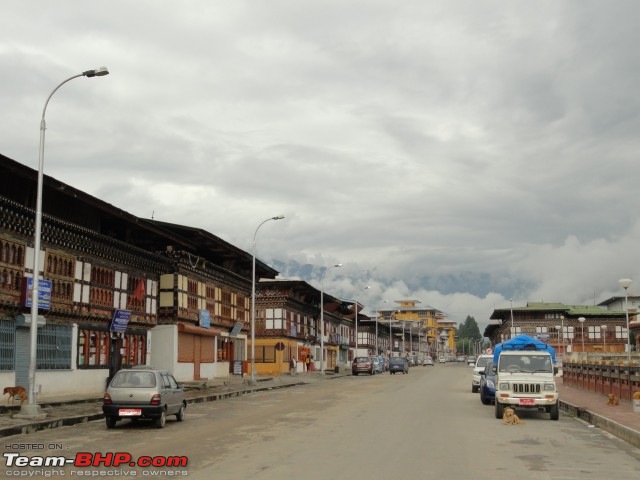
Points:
(425, 424)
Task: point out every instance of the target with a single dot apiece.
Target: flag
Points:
(139, 292)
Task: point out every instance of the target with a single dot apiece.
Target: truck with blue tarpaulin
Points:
(525, 376)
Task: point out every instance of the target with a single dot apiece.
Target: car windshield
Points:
(396, 360)
(482, 361)
(526, 363)
(133, 379)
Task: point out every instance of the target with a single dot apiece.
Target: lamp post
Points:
(581, 320)
(604, 337)
(377, 352)
(32, 408)
(626, 283)
(253, 300)
(322, 317)
(391, 318)
(355, 308)
(562, 330)
(513, 328)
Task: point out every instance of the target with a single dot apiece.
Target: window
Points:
(7, 343)
(265, 354)
(594, 332)
(94, 349)
(54, 347)
(223, 351)
(274, 319)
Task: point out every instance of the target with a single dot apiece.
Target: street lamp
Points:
(581, 320)
(604, 337)
(32, 408)
(377, 352)
(322, 317)
(562, 330)
(391, 318)
(626, 283)
(355, 307)
(253, 301)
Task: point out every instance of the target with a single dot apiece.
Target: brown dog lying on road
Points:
(13, 391)
(510, 418)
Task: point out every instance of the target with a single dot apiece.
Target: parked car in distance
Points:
(143, 392)
(378, 364)
(442, 359)
(488, 384)
(398, 365)
(362, 365)
(471, 360)
(481, 362)
(460, 358)
(427, 361)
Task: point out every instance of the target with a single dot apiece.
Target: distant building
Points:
(424, 324)
(560, 326)
(632, 302)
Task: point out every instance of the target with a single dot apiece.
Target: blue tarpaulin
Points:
(523, 342)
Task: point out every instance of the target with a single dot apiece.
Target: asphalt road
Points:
(426, 424)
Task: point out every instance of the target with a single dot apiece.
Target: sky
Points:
(469, 155)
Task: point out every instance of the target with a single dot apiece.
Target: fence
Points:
(603, 375)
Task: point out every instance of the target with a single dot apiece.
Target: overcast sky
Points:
(460, 153)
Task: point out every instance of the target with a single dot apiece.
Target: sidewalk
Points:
(619, 420)
(71, 410)
(591, 407)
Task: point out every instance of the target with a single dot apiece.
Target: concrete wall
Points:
(163, 353)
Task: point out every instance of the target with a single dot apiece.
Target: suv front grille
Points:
(526, 388)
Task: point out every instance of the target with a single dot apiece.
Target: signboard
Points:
(25, 321)
(204, 318)
(279, 346)
(237, 367)
(120, 321)
(236, 329)
(44, 293)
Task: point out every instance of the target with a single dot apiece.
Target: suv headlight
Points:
(550, 387)
(505, 386)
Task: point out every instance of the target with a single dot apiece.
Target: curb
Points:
(38, 425)
(627, 434)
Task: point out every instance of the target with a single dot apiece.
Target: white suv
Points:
(481, 362)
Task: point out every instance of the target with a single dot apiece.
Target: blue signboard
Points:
(44, 293)
(205, 318)
(236, 329)
(120, 321)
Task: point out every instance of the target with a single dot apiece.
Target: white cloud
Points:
(464, 154)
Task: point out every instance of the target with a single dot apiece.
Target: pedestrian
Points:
(307, 362)
(292, 366)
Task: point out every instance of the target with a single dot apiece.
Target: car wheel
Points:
(354, 373)
(483, 399)
(111, 421)
(554, 411)
(180, 414)
(474, 389)
(161, 420)
(499, 410)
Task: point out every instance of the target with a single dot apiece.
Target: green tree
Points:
(468, 334)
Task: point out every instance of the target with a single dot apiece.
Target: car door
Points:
(168, 392)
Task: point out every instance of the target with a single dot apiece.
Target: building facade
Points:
(568, 328)
(184, 292)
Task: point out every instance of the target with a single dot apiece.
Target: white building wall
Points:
(163, 351)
